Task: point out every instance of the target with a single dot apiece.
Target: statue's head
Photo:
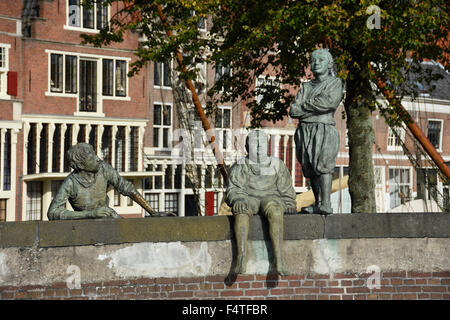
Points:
(257, 145)
(321, 62)
(82, 157)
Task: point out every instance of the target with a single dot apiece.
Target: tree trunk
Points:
(360, 139)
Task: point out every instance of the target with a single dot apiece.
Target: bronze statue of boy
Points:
(86, 186)
(259, 184)
(316, 138)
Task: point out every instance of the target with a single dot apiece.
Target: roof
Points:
(439, 85)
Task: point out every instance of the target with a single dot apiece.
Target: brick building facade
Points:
(55, 92)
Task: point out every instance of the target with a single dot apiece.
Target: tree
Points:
(370, 40)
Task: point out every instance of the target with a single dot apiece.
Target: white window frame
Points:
(227, 131)
(391, 137)
(100, 96)
(162, 86)
(264, 80)
(222, 68)
(410, 184)
(80, 28)
(439, 149)
(193, 13)
(4, 73)
(162, 126)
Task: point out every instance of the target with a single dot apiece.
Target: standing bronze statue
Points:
(259, 184)
(86, 186)
(316, 138)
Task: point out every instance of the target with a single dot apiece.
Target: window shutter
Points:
(209, 203)
(12, 83)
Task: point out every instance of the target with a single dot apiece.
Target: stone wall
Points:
(358, 256)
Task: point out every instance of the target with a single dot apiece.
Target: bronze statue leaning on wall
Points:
(86, 186)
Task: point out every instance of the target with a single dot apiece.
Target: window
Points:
(435, 133)
(4, 69)
(114, 79)
(201, 23)
(153, 200)
(121, 78)
(171, 202)
(90, 78)
(222, 70)
(7, 161)
(162, 126)
(399, 186)
(88, 85)
(264, 84)
(223, 127)
(161, 74)
(108, 77)
(34, 200)
(395, 138)
(94, 17)
(71, 74)
(63, 73)
(56, 80)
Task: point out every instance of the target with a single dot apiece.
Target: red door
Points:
(209, 203)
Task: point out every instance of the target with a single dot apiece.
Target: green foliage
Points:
(257, 37)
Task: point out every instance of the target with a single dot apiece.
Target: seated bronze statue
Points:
(259, 184)
(86, 186)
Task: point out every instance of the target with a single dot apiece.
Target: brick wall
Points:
(393, 286)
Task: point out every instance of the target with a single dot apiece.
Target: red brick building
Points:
(55, 92)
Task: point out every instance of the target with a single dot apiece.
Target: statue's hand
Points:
(240, 207)
(103, 212)
(291, 210)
